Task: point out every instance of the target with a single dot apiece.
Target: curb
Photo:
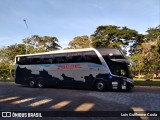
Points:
(147, 86)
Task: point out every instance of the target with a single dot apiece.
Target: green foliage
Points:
(115, 44)
(34, 44)
(8, 53)
(7, 57)
(153, 33)
(147, 57)
(80, 42)
(158, 45)
(106, 35)
(4, 70)
(139, 61)
(37, 44)
(114, 36)
(147, 83)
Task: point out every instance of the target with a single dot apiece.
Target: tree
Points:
(7, 55)
(138, 59)
(148, 55)
(34, 44)
(114, 36)
(80, 42)
(153, 37)
(153, 33)
(41, 44)
(4, 70)
(158, 45)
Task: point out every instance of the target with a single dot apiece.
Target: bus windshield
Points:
(119, 69)
(116, 61)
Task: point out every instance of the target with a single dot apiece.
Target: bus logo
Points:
(69, 67)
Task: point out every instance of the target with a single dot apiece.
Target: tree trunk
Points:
(139, 73)
(10, 72)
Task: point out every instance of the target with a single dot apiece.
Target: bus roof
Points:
(67, 51)
(59, 51)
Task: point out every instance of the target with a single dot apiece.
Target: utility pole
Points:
(26, 35)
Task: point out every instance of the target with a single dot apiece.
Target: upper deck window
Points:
(74, 57)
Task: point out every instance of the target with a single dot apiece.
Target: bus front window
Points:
(119, 69)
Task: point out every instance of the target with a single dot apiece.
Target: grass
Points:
(136, 79)
(144, 82)
(147, 83)
(8, 80)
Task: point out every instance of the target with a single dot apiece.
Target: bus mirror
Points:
(110, 54)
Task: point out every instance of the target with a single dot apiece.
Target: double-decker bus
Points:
(90, 68)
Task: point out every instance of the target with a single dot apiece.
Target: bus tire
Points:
(32, 83)
(100, 85)
(40, 84)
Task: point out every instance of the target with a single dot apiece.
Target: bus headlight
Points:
(129, 80)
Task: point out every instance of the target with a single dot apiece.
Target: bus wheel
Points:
(100, 85)
(32, 83)
(40, 84)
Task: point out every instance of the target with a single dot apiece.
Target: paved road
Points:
(15, 97)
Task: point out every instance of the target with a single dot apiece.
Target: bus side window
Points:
(38, 60)
(30, 60)
(45, 59)
(23, 61)
(75, 57)
(69, 58)
(61, 58)
(78, 57)
(18, 60)
(91, 56)
(57, 60)
(87, 56)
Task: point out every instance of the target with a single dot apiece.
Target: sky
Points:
(66, 19)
